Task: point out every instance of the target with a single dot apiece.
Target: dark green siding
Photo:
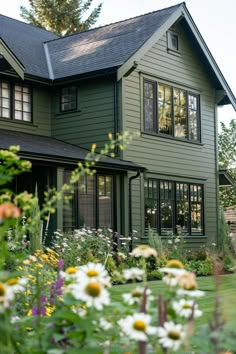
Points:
(165, 156)
(94, 117)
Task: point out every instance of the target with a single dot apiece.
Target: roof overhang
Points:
(225, 180)
(11, 59)
(182, 13)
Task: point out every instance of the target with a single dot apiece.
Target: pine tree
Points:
(62, 17)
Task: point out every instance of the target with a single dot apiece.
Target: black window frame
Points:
(155, 113)
(11, 86)
(189, 231)
(74, 100)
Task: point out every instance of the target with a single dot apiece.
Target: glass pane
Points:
(26, 107)
(26, 97)
(180, 113)
(165, 109)
(196, 192)
(18, 105)
(6, 113)
(87, 202)
(5, 92)
(182, 206)
(151, 214)
(5, 103)
(166, 207)
(105, 201)
(26, 117)
(18, 115)
(193, 117)
(149, 108)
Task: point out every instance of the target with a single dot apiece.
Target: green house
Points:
(151, 74)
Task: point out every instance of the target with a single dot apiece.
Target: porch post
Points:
(60, 172)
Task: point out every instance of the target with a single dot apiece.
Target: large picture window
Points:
(15, 102)
(91, 203)
(171, 204)
(171, 111)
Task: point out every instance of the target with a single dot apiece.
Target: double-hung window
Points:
(169, 205)
(15, 101)
(171, 111)
(68, 99)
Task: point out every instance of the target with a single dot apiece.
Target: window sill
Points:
(15, 121)
(61, 113)
(149, 135)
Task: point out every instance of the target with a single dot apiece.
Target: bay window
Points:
(170, 204)
(171, 111)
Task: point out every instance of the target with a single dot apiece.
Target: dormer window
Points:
(172, 41)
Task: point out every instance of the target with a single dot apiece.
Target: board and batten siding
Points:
(164, 157)
(41, 115)
(93, 119)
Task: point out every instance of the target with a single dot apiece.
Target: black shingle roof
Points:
(26, 42)
(97, 49)
(51, 149)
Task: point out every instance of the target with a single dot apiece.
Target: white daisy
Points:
(16, 285)
(174, 267)
(185, 308)
(144, 251)
(171, 335)
(133, 273)
(104, 324)
(137, 326)
(170, 280)
(71, 273)
(188, 285)
(6, 296)
(191, 293)
(135, 296)
(95, 271)
(92, 292)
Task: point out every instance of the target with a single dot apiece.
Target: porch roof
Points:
(37, 147)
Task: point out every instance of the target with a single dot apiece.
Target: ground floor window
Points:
(169, 204)
(91, 203)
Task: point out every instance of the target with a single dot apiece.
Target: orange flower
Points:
(8, 211)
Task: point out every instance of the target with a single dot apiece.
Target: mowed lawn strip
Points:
(227, 294)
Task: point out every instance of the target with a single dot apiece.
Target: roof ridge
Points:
(29, 24)
(113, 23)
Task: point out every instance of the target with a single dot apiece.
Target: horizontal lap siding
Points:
(41, 115)
(167, 157)
(94, 118)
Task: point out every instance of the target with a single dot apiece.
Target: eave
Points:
(225, 180)
(11, 59)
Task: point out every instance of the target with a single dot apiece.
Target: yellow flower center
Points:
(93, 289)
(139, 325)
(174, 263)
(136, 293)
(186, 306)
(2, 289)
(92, 273)
(174, 335)
(12, 281)
(71, 270)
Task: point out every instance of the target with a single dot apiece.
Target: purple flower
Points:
(60, 264)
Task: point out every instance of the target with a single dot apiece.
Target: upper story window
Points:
(171, 111)
(172, 41)
(170, 204)
(15, 102)
(68, 98)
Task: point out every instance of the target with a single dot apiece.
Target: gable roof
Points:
(26, 42)
(117, 46)
(53, 150)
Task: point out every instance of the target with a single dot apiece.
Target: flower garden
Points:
(70, 298)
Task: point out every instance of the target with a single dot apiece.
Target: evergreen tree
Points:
(62, 17)
(227, 160)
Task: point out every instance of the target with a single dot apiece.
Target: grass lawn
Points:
(206, 304)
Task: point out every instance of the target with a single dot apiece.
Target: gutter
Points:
(130, 210)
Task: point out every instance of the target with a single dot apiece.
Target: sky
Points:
(215, 19)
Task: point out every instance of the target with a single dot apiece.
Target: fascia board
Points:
(149, 43)
(11, 59)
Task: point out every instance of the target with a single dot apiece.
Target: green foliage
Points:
(227, 160)
(63, 17)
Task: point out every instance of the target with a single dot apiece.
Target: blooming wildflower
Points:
(92, 292)
(174, 267)
(171, 335)
(104, 324)
(185, 308)
(137, 326)
(15, 285)
(135, 296)
(71, 273)
(5, 297)
(133, 273)
(8, 211)
(170, 280)
(95, 271)
(188, 285)
(144, 251)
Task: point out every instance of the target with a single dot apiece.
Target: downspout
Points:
(115, 113)
(130, 210)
